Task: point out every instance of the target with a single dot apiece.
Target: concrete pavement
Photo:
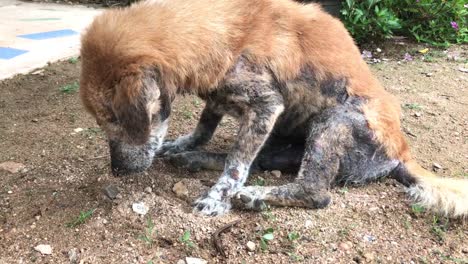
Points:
(33, 34)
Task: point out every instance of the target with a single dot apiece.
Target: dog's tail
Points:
(445, 196)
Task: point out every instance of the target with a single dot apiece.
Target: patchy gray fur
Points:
(311, 127)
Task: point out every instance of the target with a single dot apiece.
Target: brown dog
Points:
(292, 75)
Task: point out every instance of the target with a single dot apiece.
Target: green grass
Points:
(417, 209)
(439, 227)
(81, 219)
(413, 106)
(186, 239)
(70, 88)
(147, 236)
(292, 236)
(260, 181)
(73, 60)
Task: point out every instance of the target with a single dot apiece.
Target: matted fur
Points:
(193, 44)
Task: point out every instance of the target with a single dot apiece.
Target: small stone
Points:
(78, 130)
(148, 190)
(276, 173)
(190, 260)
(140, 208)
(429, 74)
(44, 249)
(308, 223)
(10, 192)
(73, 255)
(180, 190)
(378, 50)
(181, 261)
(111, 191)
(345, 246)
(369, 238)
(368, 256)
(436, 166)
(465, 70)
(417, 114)
(35, 120)
(12, 167)
(465, 250)
(250, 246)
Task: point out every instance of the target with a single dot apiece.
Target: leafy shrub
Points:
(438, 22)
(369, 19)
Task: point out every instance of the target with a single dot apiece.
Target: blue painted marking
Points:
(49, 34)
(8, 53)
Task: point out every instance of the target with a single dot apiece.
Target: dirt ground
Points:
(44, 127)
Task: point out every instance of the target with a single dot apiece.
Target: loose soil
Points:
(68, 169)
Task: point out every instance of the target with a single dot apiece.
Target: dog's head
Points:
(130, 106)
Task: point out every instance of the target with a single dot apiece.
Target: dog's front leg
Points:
(255, 126)
(205, 129)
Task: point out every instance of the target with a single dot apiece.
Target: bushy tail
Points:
(445, 196)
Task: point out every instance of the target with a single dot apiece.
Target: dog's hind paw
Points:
(210, 206)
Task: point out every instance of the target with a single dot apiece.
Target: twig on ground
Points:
(216, 240)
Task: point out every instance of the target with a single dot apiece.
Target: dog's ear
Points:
(130, 108)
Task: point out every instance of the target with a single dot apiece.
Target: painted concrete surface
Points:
(33, 34)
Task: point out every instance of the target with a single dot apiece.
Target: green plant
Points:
(147, 236)
(260, 181)
(268, 215)
(439, 227)
(413, 106)
(292, 236)
(265, 238)
(369, 19)
(70, 88)
(73, 60)
(82, 217)
(417, 209)
(186, 239)
(438, 23)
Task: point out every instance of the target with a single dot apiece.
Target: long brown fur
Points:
(194, 43)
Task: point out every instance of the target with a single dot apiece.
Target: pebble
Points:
(369, 238)
(12, 167)
(436, 165)
(111, 191)
(276, 173)
(73, 255)
(140, 208)
(181, 261)
(429, 74)
(78, 130)
(35, 120)
(190, 260)
(180, 190)
(308, 223)
(148, 190)
(369, 256)
(345, 246)
(250, 246)
(44, 249)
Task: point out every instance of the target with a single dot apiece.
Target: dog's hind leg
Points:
(340, 148)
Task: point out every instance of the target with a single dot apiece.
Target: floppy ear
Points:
(129, 105)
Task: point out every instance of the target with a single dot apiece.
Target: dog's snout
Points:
(127, 159)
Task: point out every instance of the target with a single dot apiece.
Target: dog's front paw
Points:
(210, 206)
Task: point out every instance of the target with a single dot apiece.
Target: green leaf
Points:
(268, 236)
